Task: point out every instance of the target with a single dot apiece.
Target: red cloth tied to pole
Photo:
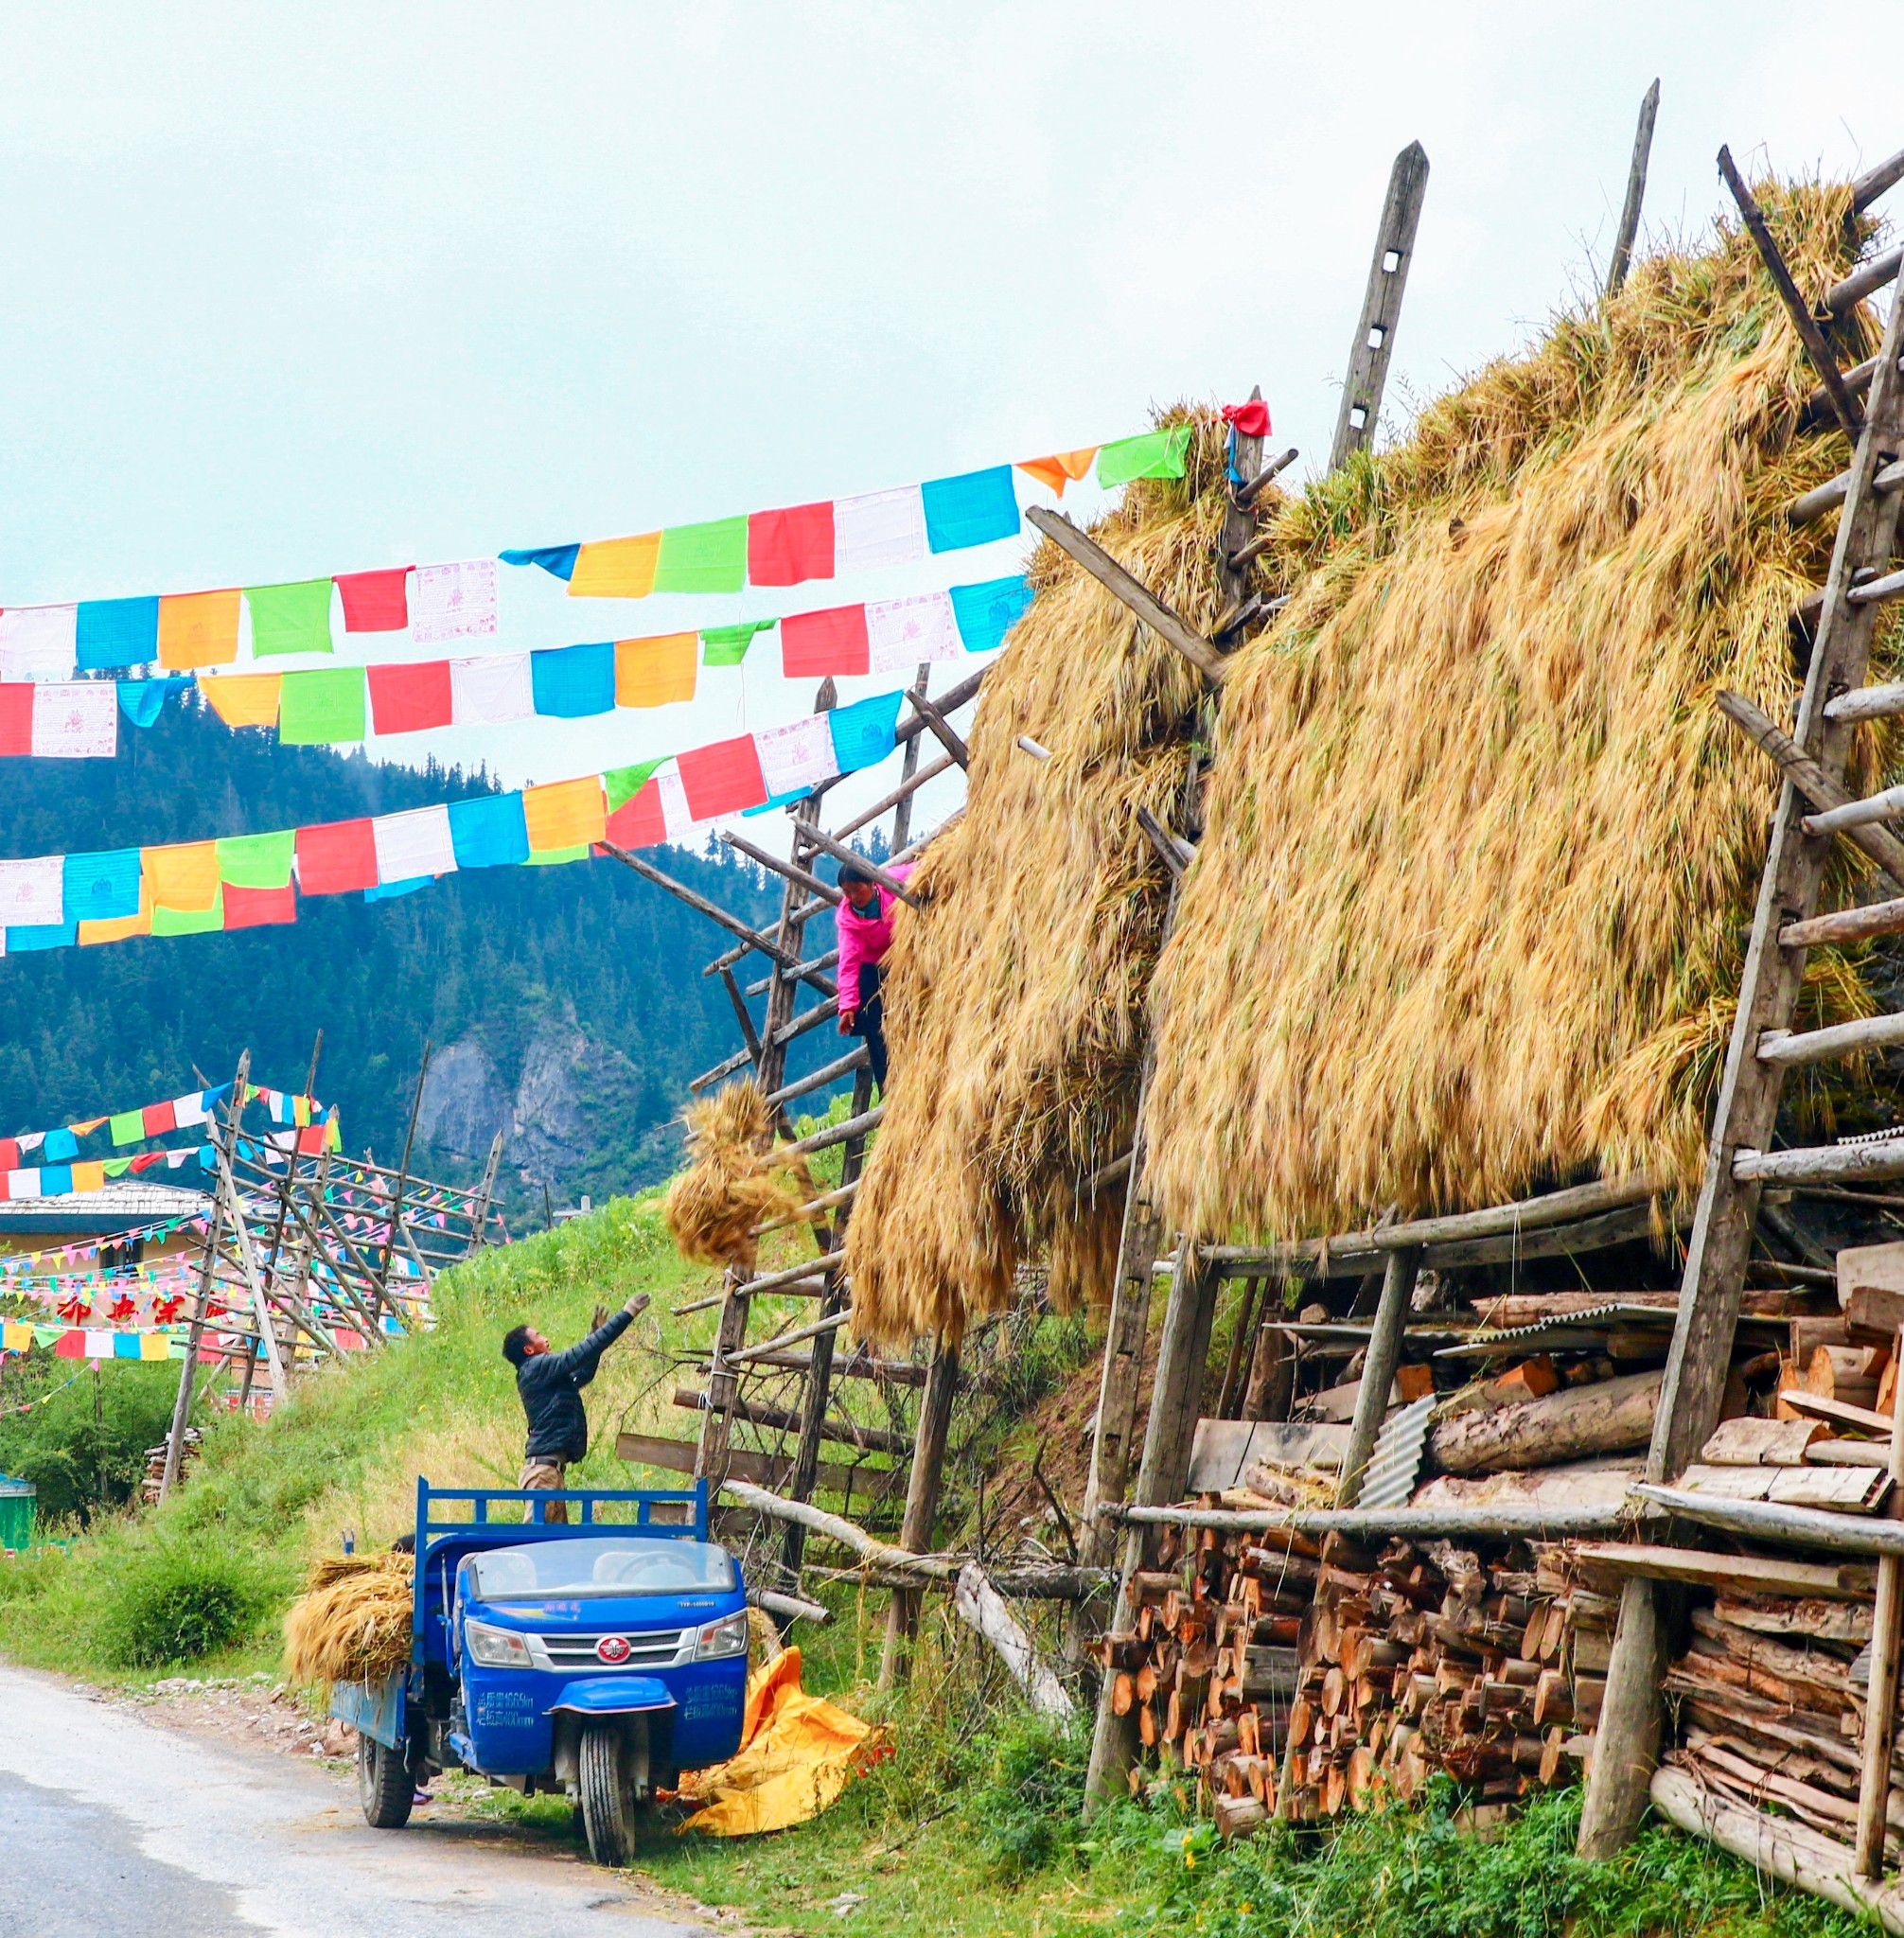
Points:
(1250, 419)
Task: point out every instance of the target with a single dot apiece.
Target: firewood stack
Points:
(155, 1465)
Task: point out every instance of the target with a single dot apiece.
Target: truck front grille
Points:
(648, 1649)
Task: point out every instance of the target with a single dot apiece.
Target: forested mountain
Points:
(566, 1003)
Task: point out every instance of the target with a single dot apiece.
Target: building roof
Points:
(116, 1207)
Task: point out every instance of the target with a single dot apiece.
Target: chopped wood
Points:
(1606, 1417)
(1762, 1442)
(1838, 1412)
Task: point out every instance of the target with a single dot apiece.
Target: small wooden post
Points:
(1381, 306)
(1272, 1367)
(1637, 192)
(402, 1179)
(1880, 1695)
(908, 765)
(1378, 1368)
(921, 1506)
(479, 1237)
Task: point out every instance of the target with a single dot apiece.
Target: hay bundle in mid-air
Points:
(735, 1183)
(352, 1623)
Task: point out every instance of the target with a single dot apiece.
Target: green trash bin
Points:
(16, 1512)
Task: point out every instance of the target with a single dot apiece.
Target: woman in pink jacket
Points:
(864, 923)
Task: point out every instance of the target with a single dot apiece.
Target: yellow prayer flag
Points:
(86, 1129)
(90, 1176)
(616, 567)
(244, 699)
(655, 673)
(197, 629)
(155, 1346)
(184, 877)
(16, 1335)
(115, 929)
(565, 813)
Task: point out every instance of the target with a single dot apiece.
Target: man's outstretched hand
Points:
(600, 1320)
(636, 1305)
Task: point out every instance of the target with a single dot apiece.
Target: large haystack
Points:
(1480, 850)
(1015, 998)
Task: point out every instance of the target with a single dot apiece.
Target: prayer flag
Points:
(327, 705)
(256, 861)
(33, 892)
(794, 757)
(813, 645)
(60, 1145)
(39, 642)
(375, 601)
(98, 1341)
(656, 672)
(181, 876)
(140, 700)
(453, 602)
(554, 857)
(488, 831)
(75, 721)
(189, 921)
(10, 1153)
(110, 633)
(244, 699)
(878, 528)
(1059, 468)
(726, 645)
(56, 1180)
(70, 1345)
(409, 698)
(332, 858)
(197, 629)
(259, 908)
(722, 778)
(639, 821)
(158, 1119)
(17, 718)
(987, 612)
(23, 1184)
(155, 1346)
(616, 567)
(621, 785)
(388, 892)
(972, 509)
(902, 633)
(490, 691)
(125, 1346)
(90, 1176)
(115, 928)
(412, 843)
(573, 682)
(556, 559)
(865, 732)
(196, 1106)
(1155, 454)
(564, 815)
(294, 618)
(703, 559)
(104, 886)
(790, 546)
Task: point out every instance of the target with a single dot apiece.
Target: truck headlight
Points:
(726, 1637)
(497, 1648)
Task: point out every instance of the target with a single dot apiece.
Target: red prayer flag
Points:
(70, 1346)
(375, 601)
(406, 699)
(790, 546)
(1251, 419)
(816, 644)
(9, 1154)
(336, 856)
(310, 1140)
(159, 1119)
(254, 907)
(723, 778)
(147, 1160)
(16, 717)
(640, 822)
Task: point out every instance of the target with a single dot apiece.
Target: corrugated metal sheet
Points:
(1397, 1458)
(1615, 1313)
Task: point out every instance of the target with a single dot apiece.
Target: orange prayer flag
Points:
(244, 699)
(197, 629)
(86, 1129)
(565, 813)
(115, 929)
(89, 1176)
(1058, 470)
(616, 567)
(184, 877)
(654, 673)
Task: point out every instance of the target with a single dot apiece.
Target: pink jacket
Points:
(865, 938)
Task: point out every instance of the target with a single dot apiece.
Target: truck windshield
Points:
(600, 1567)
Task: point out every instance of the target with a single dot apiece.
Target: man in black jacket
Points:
(550, 1385)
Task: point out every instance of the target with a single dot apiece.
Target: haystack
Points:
(735, 1183)
(1480, 852)
(352, 1622)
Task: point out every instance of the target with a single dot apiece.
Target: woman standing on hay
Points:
(864, 923)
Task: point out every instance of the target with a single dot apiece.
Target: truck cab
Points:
(596, 1659)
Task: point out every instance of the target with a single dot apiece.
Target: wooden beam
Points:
(790, 871)
(1239, 521)
(827, 1073)
(1134, 593)
(1825, 1164)
(1503, 1520)
(1636, 190)
(1840, 1039)
(1880, 1695)
(834, 1133)
(1874, 182)
(749, 1035)
(844, 1432)
(1865, 280)
(836, 1527)
(794, 1275)
(1377, 1373)
(840, 852)
(1882, 702)
(779, 1342)
(700, 903)
(1816, 1528)
(1253, 488)
(679, 1457)
(948, 735)
(1374, 343)
(1756, 1574)
(922, 1506)
(908, 786)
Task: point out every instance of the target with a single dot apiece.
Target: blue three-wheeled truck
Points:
(597, 1658)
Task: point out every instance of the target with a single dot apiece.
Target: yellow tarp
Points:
(797, 1754)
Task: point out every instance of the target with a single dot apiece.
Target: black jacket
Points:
(551, 1386)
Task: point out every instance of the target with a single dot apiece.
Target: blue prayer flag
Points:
(572, 682)
(99, 886)
(50, 935)
(60, 1146)
(987, 612)
(385, 891)
(489, 832)
(972, 509)
(865, 732)
(560, 559)
(125, 1346)
(141, 699)
(774, 800)
(54, 1180)
(117, 632)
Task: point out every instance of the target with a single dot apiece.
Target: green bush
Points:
(177, 1604)
(1028, 1809)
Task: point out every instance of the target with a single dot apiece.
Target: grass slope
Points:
(969, 1829)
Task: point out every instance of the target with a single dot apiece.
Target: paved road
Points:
(112, 1824)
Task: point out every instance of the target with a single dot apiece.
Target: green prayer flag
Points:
(256, 861)
(548, 856)
(191, 921)
(726, 645)
(622, 785)
(129, 1127)
(703, 559)
(325, 705)
(118, 1167)
(290, 619)
(1155, 454)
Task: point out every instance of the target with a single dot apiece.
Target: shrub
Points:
(1028, 1809)
(176, 1604)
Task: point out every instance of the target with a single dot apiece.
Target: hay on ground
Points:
(353, 1621)
(734, 1182)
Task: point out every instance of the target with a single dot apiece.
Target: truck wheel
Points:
(383, 1784)
(608, 1793)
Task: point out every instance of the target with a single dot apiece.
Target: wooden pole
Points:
(1696, 1365)
(921, 1506)
(478, 1234)
(402, 1177)
(901, 798)
(1374, 345)
(1378, 1369)
(1880, 1695)
(1637, 192)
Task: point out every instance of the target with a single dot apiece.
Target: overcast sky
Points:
(289, 290)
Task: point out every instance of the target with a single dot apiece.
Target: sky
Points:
(295, 291)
